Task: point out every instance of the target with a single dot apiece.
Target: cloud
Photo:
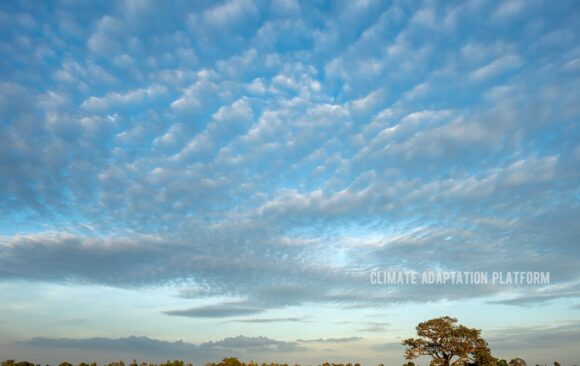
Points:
(215, 311)
(330, 340)
(129, 344)
(273, 154)
(213, 350)
(229, 13)
(103, 45)
(375, 327)
(535, 298)
(256, 343)
(544, 337)
(273, 320)
(386, 347)
(509, 9)
(172, 137)
(496, 67)
(114, 99)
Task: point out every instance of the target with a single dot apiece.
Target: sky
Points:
(201, 179)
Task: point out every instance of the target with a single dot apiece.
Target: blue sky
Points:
(202, 179)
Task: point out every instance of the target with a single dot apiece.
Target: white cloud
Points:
(171, 137)
(103, 45)
(257, 86)
(509, 8)
(229, 14)
(285, 8)
(228, 122)
(424, 17)
(496, 67)
(572, 66)
(204, 87)
(373, 100)
(115, 99)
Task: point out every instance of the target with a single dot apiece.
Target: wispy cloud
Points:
(564, 333)
(330, 340)
(215, 311)
(272, 320)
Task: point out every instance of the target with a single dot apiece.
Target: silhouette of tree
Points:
(448, 344)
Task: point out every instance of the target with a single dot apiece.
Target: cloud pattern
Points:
(275, 152)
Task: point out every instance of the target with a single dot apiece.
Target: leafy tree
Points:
(228, 361)
(517, 362)
(556, 363)
(65, 364)
(448, 344)
(482, 356)
(501, 363)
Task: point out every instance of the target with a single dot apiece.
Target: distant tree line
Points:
(232, 361)
(228, 361)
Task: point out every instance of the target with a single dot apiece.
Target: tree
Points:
(449, 344)
(517, 362)
(230, 361)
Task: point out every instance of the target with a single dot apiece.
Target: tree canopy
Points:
(448, 344)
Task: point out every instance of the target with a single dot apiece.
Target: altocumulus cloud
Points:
(272, 153)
